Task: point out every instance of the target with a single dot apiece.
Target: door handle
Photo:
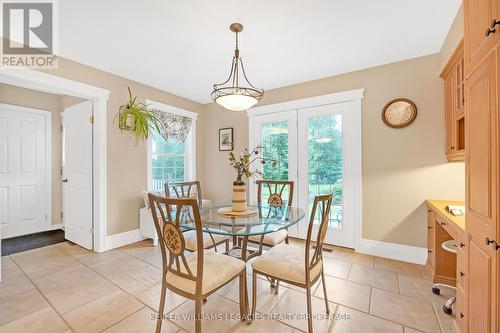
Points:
(492, 28)
(488, 241)
(65, 180)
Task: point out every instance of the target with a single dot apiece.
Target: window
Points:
(171, 160)
(167, 161)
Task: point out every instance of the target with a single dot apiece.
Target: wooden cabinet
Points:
(482, 172)
(479, 17)
(454, 86)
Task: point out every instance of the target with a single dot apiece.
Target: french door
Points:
(319, 149)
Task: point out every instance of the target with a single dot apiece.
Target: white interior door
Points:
(328, 164)
(25, 160)
(77, 174)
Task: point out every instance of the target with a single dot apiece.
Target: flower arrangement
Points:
(244, 160)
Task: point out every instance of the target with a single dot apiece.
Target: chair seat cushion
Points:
(190, 239)
(273, 238)
(217, 270)
(286, 262)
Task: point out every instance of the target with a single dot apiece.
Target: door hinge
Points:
(46, 217)
(91, 231)
(61, 128)
(91, 119)
(62, 214)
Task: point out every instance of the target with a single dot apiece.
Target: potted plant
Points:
(135, 116)
(242, 166)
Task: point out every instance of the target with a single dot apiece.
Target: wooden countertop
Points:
(440, 207)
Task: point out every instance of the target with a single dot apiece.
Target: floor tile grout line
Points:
(131, 295)
(43, 296)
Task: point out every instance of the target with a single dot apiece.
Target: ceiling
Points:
(184, 46)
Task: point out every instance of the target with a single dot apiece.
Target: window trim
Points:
(190, 143)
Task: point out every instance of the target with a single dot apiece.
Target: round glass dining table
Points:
(260, 220)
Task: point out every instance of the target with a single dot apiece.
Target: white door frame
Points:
(40, 81)
(48, 162)
(355, 95)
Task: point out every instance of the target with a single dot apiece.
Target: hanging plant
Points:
(135, 116)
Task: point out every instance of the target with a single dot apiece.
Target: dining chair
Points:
(296, 264)
(274, 191)
(192, 189)
(193, 275)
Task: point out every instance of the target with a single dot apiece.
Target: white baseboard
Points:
(56, 226)
(122, 239)
(413, 254)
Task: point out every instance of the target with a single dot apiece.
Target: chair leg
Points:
(227, 246)
(324, 292)
(197, 313)
(243, 297)
(254, 295)
(162, 306)
(277, 287)
(309, 310)
(286, 240)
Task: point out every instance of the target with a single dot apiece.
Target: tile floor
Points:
(64, 288)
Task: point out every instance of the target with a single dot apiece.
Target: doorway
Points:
(319, 148)
(97, 97)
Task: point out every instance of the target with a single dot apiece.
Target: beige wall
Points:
(453, 38)
(126, 169)
(48, 102)
(401, 168)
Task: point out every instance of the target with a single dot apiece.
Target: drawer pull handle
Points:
(429, 251)
(492, 28)
(462, 244)
(461, 315)
(429, 227)
(462, 274)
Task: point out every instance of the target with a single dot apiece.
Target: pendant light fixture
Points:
(236, 93)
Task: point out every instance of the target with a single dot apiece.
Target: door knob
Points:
(65, 180)
(494, 23)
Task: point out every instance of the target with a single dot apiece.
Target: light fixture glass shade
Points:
(236, 102)
(236, 93)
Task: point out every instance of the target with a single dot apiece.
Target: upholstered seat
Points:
(218, 269)
(286, 262)
(272, 239)
(190, 239)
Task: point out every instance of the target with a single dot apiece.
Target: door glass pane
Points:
(325, 163)
(275, 147)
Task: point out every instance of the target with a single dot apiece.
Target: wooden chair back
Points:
(321, 206)
(184, 190)
(168, 214)
(275, 189)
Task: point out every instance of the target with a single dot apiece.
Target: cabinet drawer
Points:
(461, 316)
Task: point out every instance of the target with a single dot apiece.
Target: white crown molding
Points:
(41, 81)
(170, 109)
(344, 96)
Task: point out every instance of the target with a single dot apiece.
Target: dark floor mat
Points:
(33, 241)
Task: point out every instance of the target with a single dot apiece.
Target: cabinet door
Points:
(449, 112)
(478, 15)
(481, 194)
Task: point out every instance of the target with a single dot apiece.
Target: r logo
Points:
(29, 27)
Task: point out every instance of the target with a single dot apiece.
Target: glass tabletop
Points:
(262, 219)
